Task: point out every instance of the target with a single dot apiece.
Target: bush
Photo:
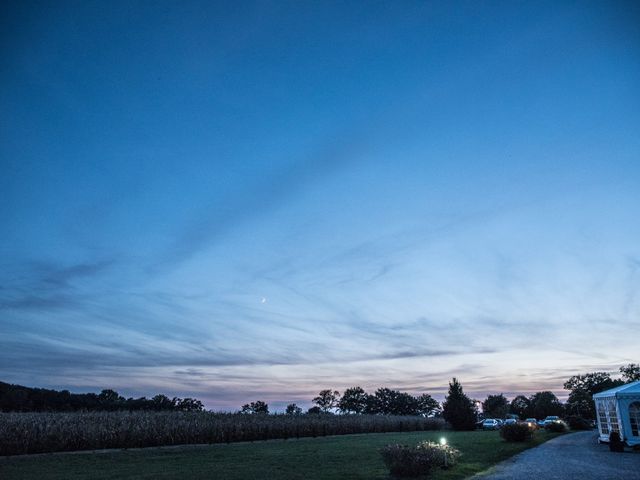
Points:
(517, 432)
(406, 461)
(578, 423)
(615, 442)
(558, 427)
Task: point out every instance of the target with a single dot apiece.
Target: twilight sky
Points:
(243, 201)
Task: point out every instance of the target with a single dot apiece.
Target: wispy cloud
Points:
(259, 198)
(46, 286)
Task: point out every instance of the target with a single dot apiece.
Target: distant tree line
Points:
(462, 412)
(539, 405)
(580, 402)
(16, 398)
(458, 409)
(355, 400)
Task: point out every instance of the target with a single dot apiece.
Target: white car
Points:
(490, 424)
(551, 419)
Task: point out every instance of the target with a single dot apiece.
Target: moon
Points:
(263, 300)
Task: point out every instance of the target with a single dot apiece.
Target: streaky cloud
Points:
(261, 198)
(43, 286)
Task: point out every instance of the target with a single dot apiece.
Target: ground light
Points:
(443, 442)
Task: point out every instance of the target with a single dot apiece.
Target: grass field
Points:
(339, 457)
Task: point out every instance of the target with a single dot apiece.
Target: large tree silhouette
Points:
(458, 409)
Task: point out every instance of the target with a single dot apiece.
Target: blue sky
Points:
(249, 201)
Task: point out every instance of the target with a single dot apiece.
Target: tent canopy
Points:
(629, 390)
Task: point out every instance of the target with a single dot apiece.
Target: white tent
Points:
(618, 410)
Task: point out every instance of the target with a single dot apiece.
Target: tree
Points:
(327, 400)
(189, 405)
(427, 405)
(402, 403)
(293, 409)
(592, 382)
(631, 372)
(108, 398)
(495, 406)
(458, 409)
(314, 411)
(583, 387)
(354, 400)
(392, 402)
(543, 404)
(257, 407)
(520, 406)
(580, 403)
(162, 402)
(372, 405)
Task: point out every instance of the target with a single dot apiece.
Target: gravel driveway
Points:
(573, 456)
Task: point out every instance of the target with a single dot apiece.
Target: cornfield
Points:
(22, 433)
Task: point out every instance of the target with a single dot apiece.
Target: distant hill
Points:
(17, 398)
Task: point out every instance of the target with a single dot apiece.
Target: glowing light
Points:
(443, 441)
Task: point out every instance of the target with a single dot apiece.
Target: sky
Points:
(238, 201)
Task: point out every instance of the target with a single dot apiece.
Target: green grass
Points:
(339, 457)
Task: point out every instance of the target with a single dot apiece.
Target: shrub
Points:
(406, 461)
(444, 456)
(578, 423)
(558, 427)
(615, 442)
(517, 432)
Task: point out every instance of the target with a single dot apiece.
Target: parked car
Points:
(510, 421)
(531, 422)
(550, 419)
(491, 424)
(540, 423)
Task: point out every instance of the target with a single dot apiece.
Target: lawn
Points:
(338, 457)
